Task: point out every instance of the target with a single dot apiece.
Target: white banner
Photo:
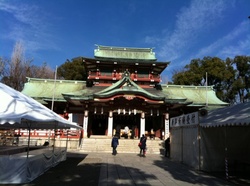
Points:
(185, 120)
(85, 125)
(166, 128)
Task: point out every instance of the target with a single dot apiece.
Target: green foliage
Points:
(72, 70)
(242, 78)
(230, 78)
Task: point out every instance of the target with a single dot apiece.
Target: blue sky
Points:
(179, 30)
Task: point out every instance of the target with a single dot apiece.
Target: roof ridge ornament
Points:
(126, 74)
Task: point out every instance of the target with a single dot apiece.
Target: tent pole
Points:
(226, 158)
(53, 98)
(206, 92)
(199, 143)
(52, 104)
(54, 137)
(181, 144)
(54, 140)
(28, 143)
(53, 150)
(67, 140)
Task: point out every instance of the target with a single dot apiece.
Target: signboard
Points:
(166, 128)
(85, 124)
(185, 120)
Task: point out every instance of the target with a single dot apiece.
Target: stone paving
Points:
(105, 169)
(155, 170)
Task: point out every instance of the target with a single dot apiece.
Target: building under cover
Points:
(123, 88)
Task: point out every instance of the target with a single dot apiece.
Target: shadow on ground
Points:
(187, 174)
(72, 172)
(80, 170)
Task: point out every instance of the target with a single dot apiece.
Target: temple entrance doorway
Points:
(154, 126)
(99, 124)
(130, 122)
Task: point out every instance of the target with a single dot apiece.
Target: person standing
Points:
(114, 144)
(143, 145)
(167, 147)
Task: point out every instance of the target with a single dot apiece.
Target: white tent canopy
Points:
(236, 115)
(20, 111)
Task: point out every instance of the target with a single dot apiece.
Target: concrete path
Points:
(155, 170)
(104, 169)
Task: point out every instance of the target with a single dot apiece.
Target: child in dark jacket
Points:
(143, 145)
(114, 144)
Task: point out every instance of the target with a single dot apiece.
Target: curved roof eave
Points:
(91, 64)
(79, 98)
(55, 99)
(177, 102)
(135, 92)
(133, 88)
(195, 94)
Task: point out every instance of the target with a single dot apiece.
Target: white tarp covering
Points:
(17, 168)
(184, 139)
(225, 139)
(20, 111)
(185, 145)
(220, 143)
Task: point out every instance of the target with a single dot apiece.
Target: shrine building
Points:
(123, 88)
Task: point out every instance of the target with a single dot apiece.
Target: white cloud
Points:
(29, 24)
(223, 47)
(240, 48)
(190, 23)
(152, 40)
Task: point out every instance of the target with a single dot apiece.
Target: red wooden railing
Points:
(117, 76)
(50, 133)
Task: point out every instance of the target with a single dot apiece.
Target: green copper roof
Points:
(45, 89)
(124, 53)
(196, 94)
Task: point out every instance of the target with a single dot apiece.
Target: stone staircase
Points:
(103, 144)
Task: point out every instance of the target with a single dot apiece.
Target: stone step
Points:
(99, 137)
(103, 144)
